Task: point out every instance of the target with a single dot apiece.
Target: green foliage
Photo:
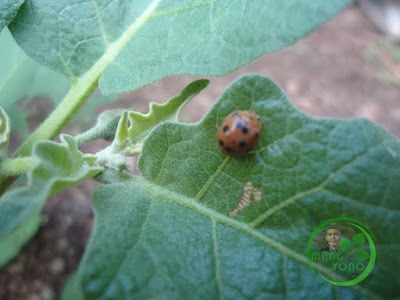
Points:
(57, 166)
(137, 43)
(8, 10)
(180, 231)
(134, 127)
(169, 233)
(23, 79)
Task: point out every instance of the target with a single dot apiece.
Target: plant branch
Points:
(62, 114)
(16, 166)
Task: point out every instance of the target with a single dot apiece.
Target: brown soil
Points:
(344, 69)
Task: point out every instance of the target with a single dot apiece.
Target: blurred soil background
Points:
(345, 69)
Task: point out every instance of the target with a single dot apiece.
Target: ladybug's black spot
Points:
(221, 143)
(245, 130)
(226, 128)
(229, 150)
(242, 144)
(257, 134)
(239, 124)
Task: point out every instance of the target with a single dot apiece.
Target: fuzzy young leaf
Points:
(4, 133)
(174, 237)
(106, 125)
(8, 10)
(139, 42)
(57, 167)
(134, 126)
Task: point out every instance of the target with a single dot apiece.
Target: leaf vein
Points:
(296, 197)
(69, 71)
(100, 20)
(211, 180)
(179, 10)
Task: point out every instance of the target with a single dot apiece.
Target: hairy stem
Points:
(16, 166)
(61, 115)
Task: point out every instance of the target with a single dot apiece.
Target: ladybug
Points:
(239, 133)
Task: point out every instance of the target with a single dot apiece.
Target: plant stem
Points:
(61, 115)
(16, 166)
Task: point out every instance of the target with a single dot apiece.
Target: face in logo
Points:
(333, 237)
(344, 247)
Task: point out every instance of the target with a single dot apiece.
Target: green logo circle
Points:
(341, 251)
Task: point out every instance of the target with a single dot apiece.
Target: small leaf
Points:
(358, 240)
(8, 10)
(345, 245)
(361, 255)
(4, 133)
(57, 167)
(169, 234)
(134, 127)
(139, 42)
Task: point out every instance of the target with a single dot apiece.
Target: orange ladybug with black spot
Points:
(239, 133)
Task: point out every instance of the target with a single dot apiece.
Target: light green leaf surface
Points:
(8, 10)
(139, 42)
(169, 235)
(134, 126)
(57, 167)
(4, 133)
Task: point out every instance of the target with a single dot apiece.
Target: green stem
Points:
(57, 120)
(61, 115)
(16, 166)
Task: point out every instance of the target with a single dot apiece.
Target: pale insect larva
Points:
(245, 200)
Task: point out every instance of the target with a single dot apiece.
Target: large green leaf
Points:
(8, 10)
(139, 42)
(57, 167)
(169, 235)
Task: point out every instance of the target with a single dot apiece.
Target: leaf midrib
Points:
(162, 193)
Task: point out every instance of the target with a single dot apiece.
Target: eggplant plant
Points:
(195, 223)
